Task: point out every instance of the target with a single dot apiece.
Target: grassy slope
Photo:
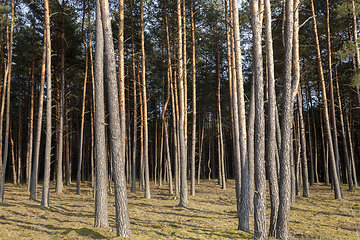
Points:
(211, 215)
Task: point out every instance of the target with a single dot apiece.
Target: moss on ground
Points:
(211, 215)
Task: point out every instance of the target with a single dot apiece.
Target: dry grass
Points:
(211, 215)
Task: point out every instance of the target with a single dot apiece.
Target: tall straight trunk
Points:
(7, 78)
(81, 142)
(260, 178)
(333, 158)
(60, 141)
(101, 169)
(251, 147)
(272, 146)
(185, 72)
(46, 183)
(315, 136)
(117, 121)
(282, 230)
(31, 117)
(324, 147)
(92, 104)
(310, 139)
(298, 153)
(305, 172)
(193, 67)
(145, 120)
(134, 147)
(236, 127)
(241, 159)
(35, 159)
(182, 113)
(219, 122)
(141, 170)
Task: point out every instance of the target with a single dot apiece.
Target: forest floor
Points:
(211, 215)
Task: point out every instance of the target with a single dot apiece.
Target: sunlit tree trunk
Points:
(272, 146)
(46, 184)
(101, 170)
(117, 123)
(193, 66)
(182, 112)
(260, 178)
(29, 153)
(60, 141)
(282, 230)
(145, 120)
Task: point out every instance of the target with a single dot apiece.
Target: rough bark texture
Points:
(243, 212)
(183, 153)
(286, 124)
(260, 175)
(272, 146)
(116, 120)
(101, 172)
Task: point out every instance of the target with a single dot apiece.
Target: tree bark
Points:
(46, 184)
(117, 123)
(282, 230)
(101, 169)
(272, 147)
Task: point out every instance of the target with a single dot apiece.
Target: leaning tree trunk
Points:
(333, 160)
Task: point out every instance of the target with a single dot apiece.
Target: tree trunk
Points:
(193, 133)
(239, 117)
(101, 169)
(182, 112)
(260, 176)
(46, 184)
(272, 147)
(334, 161)
(117, 123)
(287, 118)
(145, 120)
(81, 142)
(305, 172)
(60, 142)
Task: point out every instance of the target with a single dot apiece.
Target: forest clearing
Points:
(210, 215)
